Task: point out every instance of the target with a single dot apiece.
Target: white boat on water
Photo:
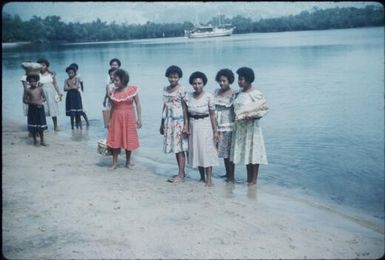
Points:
(210, 31)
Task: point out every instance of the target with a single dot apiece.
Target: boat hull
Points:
(215, 33)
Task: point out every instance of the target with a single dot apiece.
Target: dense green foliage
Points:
(52, 29)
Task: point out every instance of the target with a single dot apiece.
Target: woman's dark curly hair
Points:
(74, 65)
(115, 60)
(173, 69)
(71, 68)
(198, 75)
(227, 73)
(42, 60)
(122, 75)
(247, 73)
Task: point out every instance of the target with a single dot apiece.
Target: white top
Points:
(200, 106)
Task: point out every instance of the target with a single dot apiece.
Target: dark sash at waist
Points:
(198, 116)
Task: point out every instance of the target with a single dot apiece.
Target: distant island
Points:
(52, 29)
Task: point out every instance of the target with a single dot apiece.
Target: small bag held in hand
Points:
(103, 148)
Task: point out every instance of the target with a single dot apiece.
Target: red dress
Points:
(122, 130)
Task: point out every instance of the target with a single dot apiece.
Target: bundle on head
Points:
(31, 68)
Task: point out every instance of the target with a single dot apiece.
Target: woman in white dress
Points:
(50, 88)
(247, 146)
(202, 152)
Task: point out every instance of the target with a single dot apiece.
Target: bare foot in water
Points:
(209, 184)
(129, 165)
(176, 179)
(113, 167)
(230, 180)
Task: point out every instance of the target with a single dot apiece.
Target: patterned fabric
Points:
(224, 144)
(257, 108)
(50, 105)
(174, 141)
(36, 118)
(247, 144)
(122, 131)
(202, 151)
(224, 111)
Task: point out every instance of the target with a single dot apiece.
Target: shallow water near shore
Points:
(324, 133)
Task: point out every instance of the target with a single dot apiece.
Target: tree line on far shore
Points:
(52, 29)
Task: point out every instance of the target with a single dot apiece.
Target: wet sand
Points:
(62, 201)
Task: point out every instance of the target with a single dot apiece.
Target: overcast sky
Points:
(164, 12)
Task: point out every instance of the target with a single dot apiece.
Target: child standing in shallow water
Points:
(81, 90)
(174, 124)
(34, 97)
(74, 106)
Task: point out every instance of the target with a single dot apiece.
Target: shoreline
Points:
(6, 45)
(61, 201)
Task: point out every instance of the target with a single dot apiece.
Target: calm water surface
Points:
(325, 131)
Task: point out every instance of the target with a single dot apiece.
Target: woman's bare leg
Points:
(249, 174)
(114, 159)
(202, 173)
(54, 120)
(128, 158)
(208, 175)
(254, 174)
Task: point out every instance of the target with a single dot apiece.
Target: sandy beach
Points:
(62, 202)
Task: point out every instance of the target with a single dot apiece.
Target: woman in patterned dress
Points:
(122, 126)
(224, 110)
(174, 124)
(247, 146)
(203, 128)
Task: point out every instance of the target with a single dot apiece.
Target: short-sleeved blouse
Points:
(200, 106)
(225, 111)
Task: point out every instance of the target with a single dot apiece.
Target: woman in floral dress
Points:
(174, 124)
(247, 146)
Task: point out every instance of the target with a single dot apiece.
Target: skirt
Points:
(202, 151)
(74, 106)
(36, 118)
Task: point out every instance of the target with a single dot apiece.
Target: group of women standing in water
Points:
(199, 125)
(207, 126)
